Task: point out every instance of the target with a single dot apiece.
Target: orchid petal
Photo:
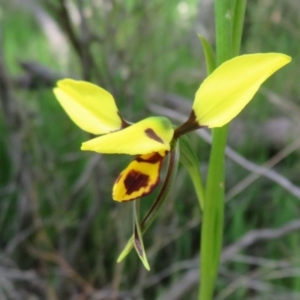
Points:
(224, 93)
(89, 106)
(139, 178)
(153, 134)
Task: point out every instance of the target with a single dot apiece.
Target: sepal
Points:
(89, 106)
(225, 92)
(138, 236)
(153, 134)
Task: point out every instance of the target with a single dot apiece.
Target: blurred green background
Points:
(60, 231)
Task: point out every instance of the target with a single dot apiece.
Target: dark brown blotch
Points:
(134, 181)
(152, 135)
(155, 158)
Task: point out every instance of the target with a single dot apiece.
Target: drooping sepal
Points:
(138, 236)
(89, 106)
(152, 134)
(225, 92)
(139, 179)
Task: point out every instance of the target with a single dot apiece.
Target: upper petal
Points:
(224, 93)
(89, 106)
(153, 134)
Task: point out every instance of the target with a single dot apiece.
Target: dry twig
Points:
(190, 279)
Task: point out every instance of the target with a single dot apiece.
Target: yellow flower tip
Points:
(85, 147)
(153, 134)
(89, 106)
(225, 92)
(139, 179)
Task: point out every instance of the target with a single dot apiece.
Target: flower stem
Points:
(229, 16)
(212, 222)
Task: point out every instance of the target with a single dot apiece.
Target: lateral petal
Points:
(89, 106)
(225, 92)
(152, 134)
(139, 179)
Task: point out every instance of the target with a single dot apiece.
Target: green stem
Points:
(229, 16)
(212, 222)
(238, 22)
(224, 15)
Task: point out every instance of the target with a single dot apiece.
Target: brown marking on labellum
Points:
(134, 181)
(152, 135)
(155, 158)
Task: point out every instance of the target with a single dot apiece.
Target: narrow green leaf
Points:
(238, 24)
(190, 161)
(209, 54)
(138, 235)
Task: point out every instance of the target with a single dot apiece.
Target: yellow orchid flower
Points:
(94, 110)
(220, 98)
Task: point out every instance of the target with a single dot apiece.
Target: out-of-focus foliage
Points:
(60, 231)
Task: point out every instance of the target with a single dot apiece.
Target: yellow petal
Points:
(224, 93)
(153, 134)
(89, 106)
(139, 178)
